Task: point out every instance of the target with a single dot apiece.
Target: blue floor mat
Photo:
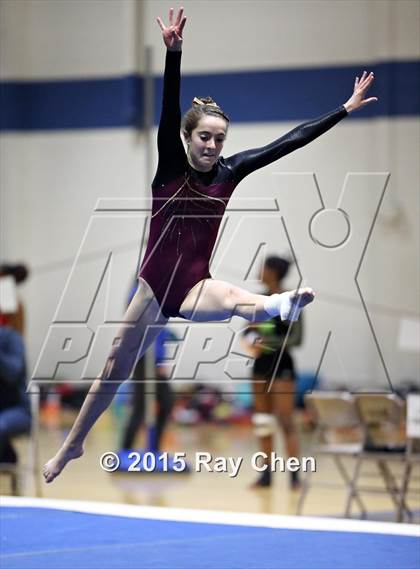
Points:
(45, 538)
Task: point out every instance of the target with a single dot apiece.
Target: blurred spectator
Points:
(274, 368)
(16, 318)
(15, 416)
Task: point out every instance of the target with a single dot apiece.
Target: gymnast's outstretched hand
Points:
(172, 34)
(357, 100)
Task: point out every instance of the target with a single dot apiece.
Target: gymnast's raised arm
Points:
(246, 162)
(170, 146)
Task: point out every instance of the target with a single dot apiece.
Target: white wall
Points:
(43, 39)
(270, 33)
(50, 181)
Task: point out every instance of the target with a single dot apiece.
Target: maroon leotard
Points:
(188, 205)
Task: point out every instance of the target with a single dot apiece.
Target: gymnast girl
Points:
(190, 193)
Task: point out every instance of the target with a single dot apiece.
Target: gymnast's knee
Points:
(117, 369)
(232, 299)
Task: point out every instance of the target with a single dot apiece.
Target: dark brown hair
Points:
(279, 265)
(18, 272)
(201, 106)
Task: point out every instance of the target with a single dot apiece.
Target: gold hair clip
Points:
(198, 101)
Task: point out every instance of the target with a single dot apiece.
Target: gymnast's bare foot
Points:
(305, 296)
(56, 464)
(294, 301)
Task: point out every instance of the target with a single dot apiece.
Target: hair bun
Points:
(204, 101)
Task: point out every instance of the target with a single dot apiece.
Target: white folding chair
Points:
(382, 417)
(413, 450)
(335, 412)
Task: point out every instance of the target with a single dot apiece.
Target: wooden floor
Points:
(84, 479)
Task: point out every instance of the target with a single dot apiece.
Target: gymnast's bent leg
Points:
(143, 321)
(211, 300)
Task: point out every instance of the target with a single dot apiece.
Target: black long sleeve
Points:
(172, 158)
(170, 147)
(248, 161)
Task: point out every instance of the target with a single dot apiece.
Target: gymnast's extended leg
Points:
(211, 300)
(142, 323)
